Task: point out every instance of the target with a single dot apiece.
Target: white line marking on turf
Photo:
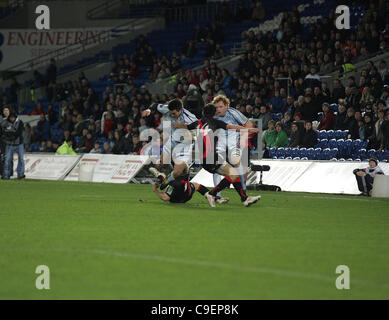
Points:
(272, 271)
(338, 198)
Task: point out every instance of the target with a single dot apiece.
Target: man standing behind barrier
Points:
(12, 137)
(365, 177)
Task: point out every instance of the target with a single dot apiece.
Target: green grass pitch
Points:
(105, 241)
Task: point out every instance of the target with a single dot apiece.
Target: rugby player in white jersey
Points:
(231, 145)
(173, 149)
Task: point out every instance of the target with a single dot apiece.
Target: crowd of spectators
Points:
(289, 113)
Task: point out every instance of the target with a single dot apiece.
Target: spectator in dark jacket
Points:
(52, 114)
(308, 109)
(11, 133)
(340, 121)
(385, 133)
(136, 145)
(295, 136)
(338, 91)
(351, 124)
(42, 129)
(369, 132)
(265, 116)
(327, 121)
(309, 136)
(120, 145)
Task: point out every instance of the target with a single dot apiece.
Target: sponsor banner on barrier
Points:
(20, 45)
(305, 176)
(46, 166)
(110, 168)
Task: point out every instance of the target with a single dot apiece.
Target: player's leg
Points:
(221, 156)
(182, 158)
(369, 184)
(7, 162)
(236, 159)
(205, 192)
(232, 177)
(216, 180)
(160, 175)
(360, 176)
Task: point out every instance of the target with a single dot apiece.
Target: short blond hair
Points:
(222, 98)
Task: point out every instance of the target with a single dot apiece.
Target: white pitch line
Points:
(271, 271)
(348, 199)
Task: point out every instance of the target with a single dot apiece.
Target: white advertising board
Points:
(46, 166)
(306, 176)
(110, 168)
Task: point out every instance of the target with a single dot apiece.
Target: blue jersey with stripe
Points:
(233, 116)
(185, 117)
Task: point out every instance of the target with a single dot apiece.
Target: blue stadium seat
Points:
(361, 154)
(339, 134)
(321, 134)
(333, 143)
(273, 152)
(294, 152)
(331, 134)
(371, 153)
(323, 143)
(325, 154)
(317, 153)
(311, 154)
(357, 145)
(334, 152)
(302, 152)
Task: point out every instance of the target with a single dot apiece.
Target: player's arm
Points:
(238, 128)
(180, 125)
(162, 195)
(248, 125)
(162, 108)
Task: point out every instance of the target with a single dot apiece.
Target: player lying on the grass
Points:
(181, 156)
(210, 159)
(179, 190)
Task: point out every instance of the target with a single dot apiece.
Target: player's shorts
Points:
(228, 147)
(215, 168)
(176, 152)
(180, 191)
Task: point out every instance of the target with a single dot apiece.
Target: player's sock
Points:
(216, 180)
(239, 188)
(241, 176)
(225, 183)
(166, 181)
(203, 190)
(170, 177)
